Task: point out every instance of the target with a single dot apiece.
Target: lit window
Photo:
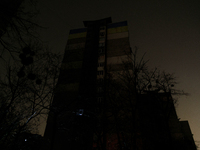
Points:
(80, 112)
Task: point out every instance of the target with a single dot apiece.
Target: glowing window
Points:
(80, 112)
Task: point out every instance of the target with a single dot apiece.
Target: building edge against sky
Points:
(91, 53)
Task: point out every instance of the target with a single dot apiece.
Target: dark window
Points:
(101, 44)
(99, 72)
(99, 99)
(101, 50)
(102, 34)
(102, 28)
(102, 39)
(100, 81)
(101, 64)
(100, 89)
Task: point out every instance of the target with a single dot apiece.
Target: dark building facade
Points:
(159, 125)
(80, 88)
(91, 110)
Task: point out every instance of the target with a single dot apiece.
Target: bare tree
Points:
(27, 92)
(31, 71)
(17, 26)
(126, 91)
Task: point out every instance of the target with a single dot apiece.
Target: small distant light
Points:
(80, 112)
(25, 140)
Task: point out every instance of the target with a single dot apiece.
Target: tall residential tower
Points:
(91, 52)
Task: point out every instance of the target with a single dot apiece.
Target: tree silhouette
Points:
(31, 71)
(26, 96)
(133, 94)
(17, 26)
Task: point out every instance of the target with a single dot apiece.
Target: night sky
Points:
(168, 31)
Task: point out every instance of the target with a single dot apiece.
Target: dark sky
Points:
(168, 31)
